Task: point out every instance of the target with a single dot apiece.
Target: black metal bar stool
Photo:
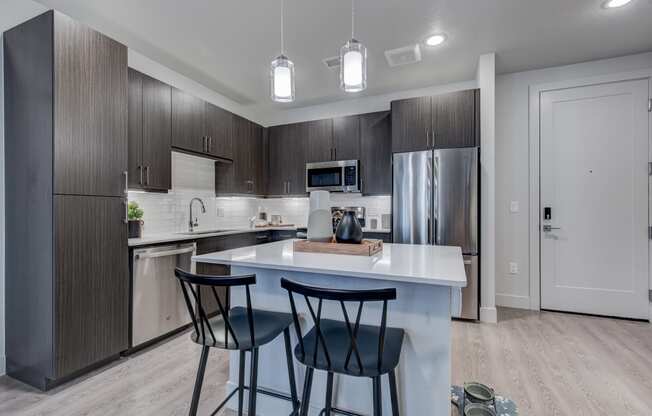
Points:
(238, 328)
(346, 347)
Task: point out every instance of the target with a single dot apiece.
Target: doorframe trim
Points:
(534, 142)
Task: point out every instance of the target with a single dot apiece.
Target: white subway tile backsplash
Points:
(195, 177)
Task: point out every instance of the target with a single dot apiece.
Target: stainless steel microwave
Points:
(335, 176)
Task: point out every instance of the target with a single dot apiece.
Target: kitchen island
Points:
(428, 280)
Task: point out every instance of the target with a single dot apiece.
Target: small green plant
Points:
(135, 212)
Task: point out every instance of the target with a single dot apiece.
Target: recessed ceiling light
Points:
(612, 4)
(438, 39)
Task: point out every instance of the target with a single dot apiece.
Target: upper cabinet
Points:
(90, 111)
(149, 133)
(200, 127)
(376, 153)
(346, 138)
(188, 122)
(287, 159)
(218, 125)
(245, 176)
(333, 139)
(441, 121)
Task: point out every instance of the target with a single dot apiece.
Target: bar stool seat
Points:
(342, 361)
(268, 325)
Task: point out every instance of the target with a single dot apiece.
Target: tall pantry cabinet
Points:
(67, 282)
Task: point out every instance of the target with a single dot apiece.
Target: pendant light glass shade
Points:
(353, 66)
(282, 80)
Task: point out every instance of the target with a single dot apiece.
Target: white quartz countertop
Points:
(172, 237)
(433, 265)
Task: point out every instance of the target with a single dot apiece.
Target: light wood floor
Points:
(549, 363)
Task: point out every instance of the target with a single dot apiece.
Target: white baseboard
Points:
(488, 315)
(512, 301)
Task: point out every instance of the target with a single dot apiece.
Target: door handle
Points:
(126, 173)
(548, 228)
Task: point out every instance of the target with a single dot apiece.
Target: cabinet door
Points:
(90, 111)
(346, 138)
(135, 130)
(454, 119)
(376, 154)
(296, 145)
(218, 129)
(91, 281)
(242, 159)
(257, 162)
(277, 176)
(411, 124)
(320, 141)
(157, 134)
(188, 122)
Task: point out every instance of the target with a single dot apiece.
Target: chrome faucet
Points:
(192, 224)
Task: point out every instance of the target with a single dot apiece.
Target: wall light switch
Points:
(513, 268)
(513, 207)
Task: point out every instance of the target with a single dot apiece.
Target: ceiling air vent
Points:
(403, 56)
(332, 62)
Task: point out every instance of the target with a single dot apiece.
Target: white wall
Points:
(512, 165)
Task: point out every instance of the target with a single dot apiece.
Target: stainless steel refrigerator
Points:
(436, 201)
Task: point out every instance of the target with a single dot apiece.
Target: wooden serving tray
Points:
(366, 248)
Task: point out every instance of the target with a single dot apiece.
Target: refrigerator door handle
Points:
(430, 240)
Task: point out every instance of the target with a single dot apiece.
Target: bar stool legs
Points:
(307, 386)
(241, 376)
(378, 401)
(290, 363)
(199, 381)
(253, 382)
(329, 395)
(393, 391)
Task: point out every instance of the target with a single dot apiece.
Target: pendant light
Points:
(281, 74)
(353, 61)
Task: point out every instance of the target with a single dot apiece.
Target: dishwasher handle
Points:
(164, 253)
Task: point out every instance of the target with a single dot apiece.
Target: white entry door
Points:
(594, 188)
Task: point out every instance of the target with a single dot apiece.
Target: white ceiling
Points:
(227, 45)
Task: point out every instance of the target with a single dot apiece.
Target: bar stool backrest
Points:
(191, 285)
(342, 297)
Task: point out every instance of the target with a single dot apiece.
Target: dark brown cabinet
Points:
(411, 124)
(376, 153)
(320, 140)
(200, 127)
(333, 139)
(188, 122)
(92, 288)
(441, 121)
(454, 119)
(218, 125)
(246, 174)
(346, 138)
(287, 159)
(66, 101)
(149, 133)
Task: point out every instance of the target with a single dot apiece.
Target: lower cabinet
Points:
(91, 321)
(386, 237)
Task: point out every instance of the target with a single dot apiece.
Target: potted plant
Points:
(135, 214)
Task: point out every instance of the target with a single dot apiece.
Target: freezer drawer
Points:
(158, 303)
(471, 293)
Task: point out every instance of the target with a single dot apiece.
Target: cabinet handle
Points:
(335, 153)
(210, 144)
(126, 218)
(203, 144)
(126, 173)
(140, 175)
(147, 175)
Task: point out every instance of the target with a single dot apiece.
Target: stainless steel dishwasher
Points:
(158, 304)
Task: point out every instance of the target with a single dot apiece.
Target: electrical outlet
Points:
(220, 212)
(513, 268)
(513, 207)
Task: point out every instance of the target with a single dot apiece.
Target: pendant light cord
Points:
(352, 19)
(282, 42)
